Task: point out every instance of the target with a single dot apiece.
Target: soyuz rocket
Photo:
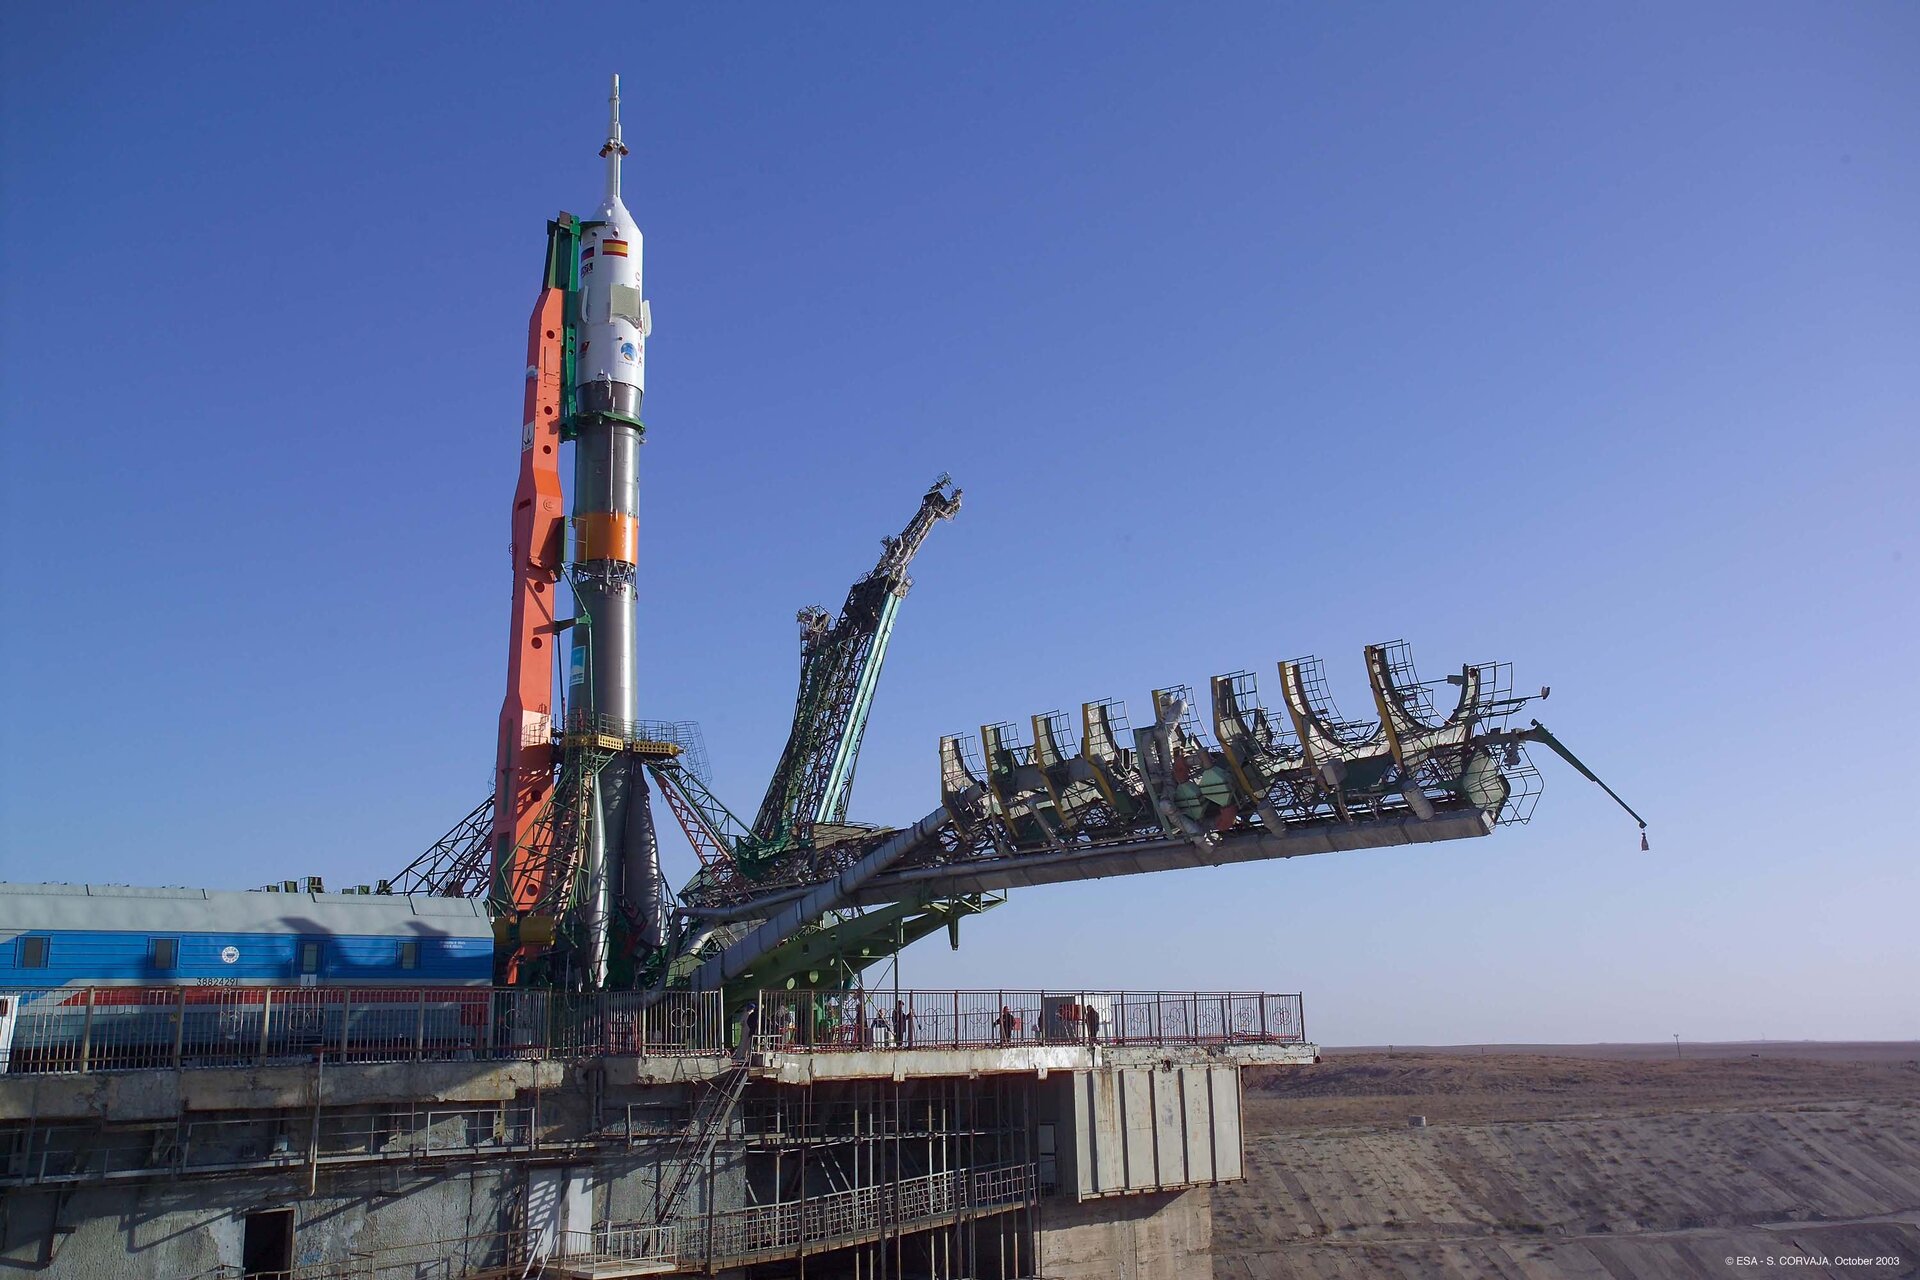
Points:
(610, 372)
(610, 854)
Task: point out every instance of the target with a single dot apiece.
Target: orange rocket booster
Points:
(524, 777)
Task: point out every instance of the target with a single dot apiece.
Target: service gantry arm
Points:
(839, 670)
(1051, 814)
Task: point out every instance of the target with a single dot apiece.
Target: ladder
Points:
(703, 1132)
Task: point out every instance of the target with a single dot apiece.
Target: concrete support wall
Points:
(1127, 1129)
(1162, 1236)
(194, 1228)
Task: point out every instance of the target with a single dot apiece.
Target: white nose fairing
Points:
(610, 368)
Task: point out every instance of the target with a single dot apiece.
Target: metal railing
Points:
(837, 1216)
(80, 1029)
(85, 1153)
(865, 1211)
(849, 1021)
(615, 1243)
(682, 734)
(75, 1029)
(486, 1254)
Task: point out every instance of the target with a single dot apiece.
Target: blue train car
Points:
(105, 975)
(60, 935)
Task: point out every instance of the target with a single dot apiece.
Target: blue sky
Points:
(1580, 338)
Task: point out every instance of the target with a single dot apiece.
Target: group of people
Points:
(901, 1028)
(835, 1020)
(838, 1019)
(1086, 1015)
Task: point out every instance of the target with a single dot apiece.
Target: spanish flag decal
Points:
(613, 248)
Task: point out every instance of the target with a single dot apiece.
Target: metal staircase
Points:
(709, 1121)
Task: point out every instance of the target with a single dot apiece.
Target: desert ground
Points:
(1595, 1162)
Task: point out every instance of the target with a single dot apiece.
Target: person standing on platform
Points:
(902, 1025)
(749, 1027)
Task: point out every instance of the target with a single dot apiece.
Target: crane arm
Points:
(937, 505)
(1538, 733)
(839, 673)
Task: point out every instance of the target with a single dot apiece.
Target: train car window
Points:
(410, 954)
(33, 953)
(309, 957)
(166, 952)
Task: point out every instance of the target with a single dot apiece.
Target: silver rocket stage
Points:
(621, 859)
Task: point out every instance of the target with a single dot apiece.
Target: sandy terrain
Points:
(1601, 1162)
(1887, 1052)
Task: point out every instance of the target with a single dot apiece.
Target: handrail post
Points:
(179, 1028)
(420, 1025)
(1263, 1017)
(346, 1020)
(266, 1014)
(86, 1034)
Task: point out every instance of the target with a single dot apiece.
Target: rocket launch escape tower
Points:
(565, 849)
